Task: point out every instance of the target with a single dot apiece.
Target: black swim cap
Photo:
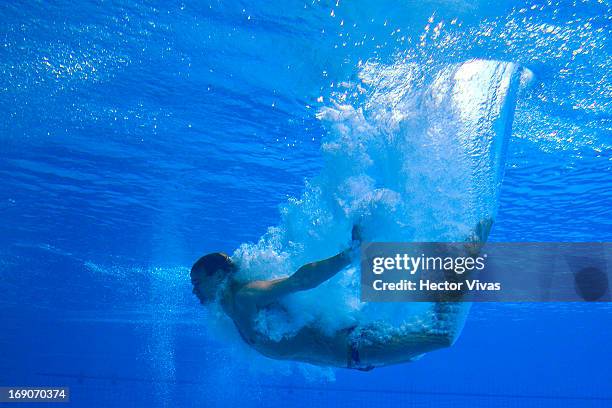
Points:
(211, 263)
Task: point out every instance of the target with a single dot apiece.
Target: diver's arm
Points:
(313, 274)
(307, 277)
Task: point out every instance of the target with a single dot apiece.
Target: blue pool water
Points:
(137, 136)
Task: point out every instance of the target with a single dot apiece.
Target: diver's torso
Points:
(309, 344)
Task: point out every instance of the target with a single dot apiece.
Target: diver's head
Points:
(209, 273)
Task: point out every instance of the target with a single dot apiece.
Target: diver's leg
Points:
(379, 344)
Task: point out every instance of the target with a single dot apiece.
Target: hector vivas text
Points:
(424, 265)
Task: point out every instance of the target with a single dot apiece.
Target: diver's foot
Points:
(483, 228)
(356, 233)
(479, 236)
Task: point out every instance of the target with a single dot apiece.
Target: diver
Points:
(360, 347)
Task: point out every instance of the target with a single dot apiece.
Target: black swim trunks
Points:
(354, 336)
